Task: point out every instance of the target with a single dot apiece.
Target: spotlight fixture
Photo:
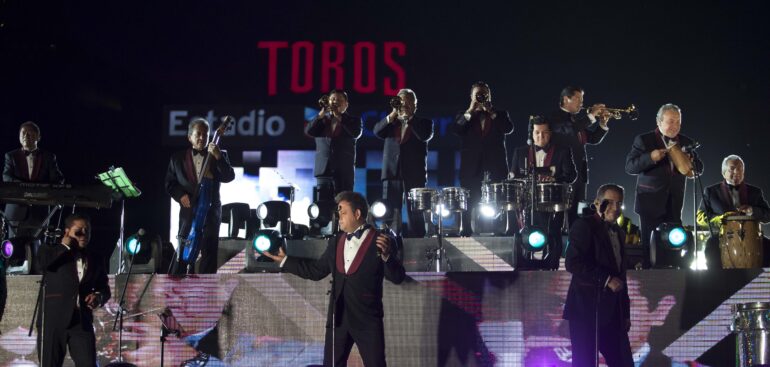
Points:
(7, 249)
(272, 212)
(670, 246)
(532, 239)
(487, 210)
(265, 240)
(379, 210)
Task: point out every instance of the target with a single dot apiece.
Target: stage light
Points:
(261, 243)
(7, 249)
(532, 239)
(677, 237)
(272, 212)
(313, 211)
(379, 209)
(133, 245)
(488, 210)
(670, 246)
(18, 254)
(265, 240)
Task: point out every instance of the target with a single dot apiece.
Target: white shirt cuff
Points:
(283, 261)
(467, 116)
(604, 127)
(607, 281)
(387, 118)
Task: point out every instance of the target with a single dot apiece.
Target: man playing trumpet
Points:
(482, 130)
(335, 133)
(660, 184)
(575, 129)
(405, 155)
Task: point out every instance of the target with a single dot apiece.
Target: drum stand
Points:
(438, 255)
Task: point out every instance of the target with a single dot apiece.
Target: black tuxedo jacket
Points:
(405, 158)
(483, 150)
(576, 131)
(591, 261)
(63, 289)
(335, 151)
(556, 156)
(181, 178)
(717, 200)
(361, 288)
(46, 170)
(655, 182)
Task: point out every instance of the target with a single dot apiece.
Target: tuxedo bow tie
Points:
(537, 148)
(357, 233)
(30, 152)
(199, 152)
(732, 187)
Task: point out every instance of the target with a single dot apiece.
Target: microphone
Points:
(691, 147)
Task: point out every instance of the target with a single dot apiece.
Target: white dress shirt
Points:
(30, 164)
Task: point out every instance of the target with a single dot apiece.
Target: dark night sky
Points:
(96, 76)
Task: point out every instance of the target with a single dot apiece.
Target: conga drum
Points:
(740, 242)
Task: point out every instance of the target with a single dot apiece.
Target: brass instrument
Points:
(681, 161)
(323, 102)
(617, 113)
(482, 98)
(396, 103)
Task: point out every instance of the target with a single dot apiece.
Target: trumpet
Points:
(396, 103)
(323, 102)
(617, 113)
(482, 98)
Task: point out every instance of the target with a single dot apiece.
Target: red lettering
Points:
(398, 48)
(272, 63)
(358, 78)
(327, 65)
(296, 49)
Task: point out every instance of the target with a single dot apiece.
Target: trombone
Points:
(617, 113)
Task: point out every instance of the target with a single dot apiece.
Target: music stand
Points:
(117, 180)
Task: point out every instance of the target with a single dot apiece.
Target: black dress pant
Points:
(369, 340)
(394, 192)
(77, 336)
(613, 343)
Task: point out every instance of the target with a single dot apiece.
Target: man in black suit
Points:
(358, 259)
(575, 129)
(76, 284)
(29, 164)
(552, 163)
(732, 196)
(335, 132)
(659, 185)
(405, 156)
(598, 306)
(482, 130)
(182, 175)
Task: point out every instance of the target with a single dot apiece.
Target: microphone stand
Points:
(119, 319)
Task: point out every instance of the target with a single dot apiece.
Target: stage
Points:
(463, 318)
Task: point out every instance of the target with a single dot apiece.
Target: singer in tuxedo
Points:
(659, 185)
(335, 133)
(29, 164)
(405, 156)
(482, 130)
(76, 284)
(598, 306)
(576, 128)
(182, 175)
(731, 196)
(552, 163)
(358, 258)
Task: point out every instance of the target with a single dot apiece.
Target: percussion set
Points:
(510, 195)
(740, 242)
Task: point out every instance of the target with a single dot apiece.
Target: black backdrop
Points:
(96, 76)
